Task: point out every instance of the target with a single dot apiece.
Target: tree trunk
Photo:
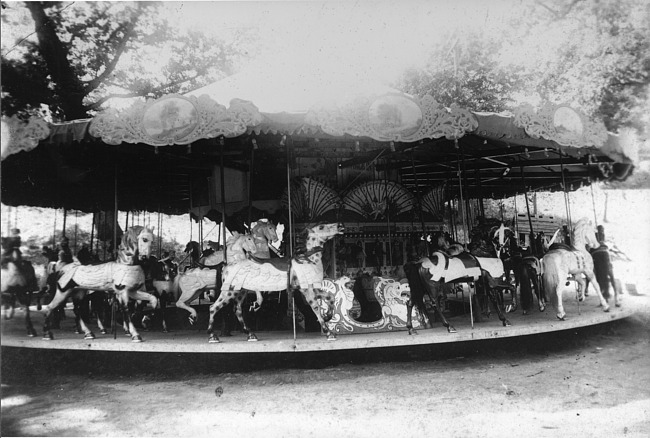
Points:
(55, 53)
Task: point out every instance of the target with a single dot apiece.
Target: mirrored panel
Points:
(170, 119)
(395, 115)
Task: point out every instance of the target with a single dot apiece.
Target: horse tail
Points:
(525, 289)
(176, 285)
(551, 277)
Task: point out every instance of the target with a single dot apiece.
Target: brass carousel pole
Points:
(285, 143)
(223, 202)
(465, 230)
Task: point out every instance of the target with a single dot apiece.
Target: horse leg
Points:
(240, 315)
(612, 280)
(81, 302)
(559, 303)
(257, 305)
(140, 296)
(122, 297)
(225, 297)
(163, 306)
(188, 297)
(311, 298)
(492, 295)
(98, 306)
(28, 320)
(445, 323)
(59, 299)
(409, 320)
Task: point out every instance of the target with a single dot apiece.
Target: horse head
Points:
(584, 233)
(136, 244)
(240, 243)
(321, 233)
(265, 229)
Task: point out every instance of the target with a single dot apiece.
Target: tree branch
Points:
(121, 48)
(103, 100)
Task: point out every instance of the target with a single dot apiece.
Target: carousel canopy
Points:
(164, 155)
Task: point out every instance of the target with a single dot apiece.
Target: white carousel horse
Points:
(304, 271)
(264, 234)
(193, 282)
(124, 277)
(562, 261)
(18, 282)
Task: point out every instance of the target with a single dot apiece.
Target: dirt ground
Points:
(595, 384)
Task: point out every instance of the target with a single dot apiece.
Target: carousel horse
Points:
(264, 234)
(193, 282)
(526, 269)
(604, 269)
(430, 274)
(203, 258)
(18, 282)
(159, 276)
(421, 284)
(562, 260)
(124, 277)
(303, 271)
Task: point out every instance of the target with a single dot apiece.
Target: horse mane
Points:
(300, 250)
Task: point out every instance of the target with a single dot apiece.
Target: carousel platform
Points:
(279, 348)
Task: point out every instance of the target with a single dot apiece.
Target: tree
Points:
(467, 73)
(86, 53)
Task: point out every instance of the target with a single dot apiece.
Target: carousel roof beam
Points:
(526, 164)
(368, 158)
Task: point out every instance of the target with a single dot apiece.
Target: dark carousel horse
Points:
(18, 280)
(604, 269)
(524, 267)
(159, 281)
(421, 284)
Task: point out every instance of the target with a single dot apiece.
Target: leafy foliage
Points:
(86, 53)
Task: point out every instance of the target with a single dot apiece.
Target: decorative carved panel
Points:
(562, 124)
(394, 117)
(19, 135)
(175, 119)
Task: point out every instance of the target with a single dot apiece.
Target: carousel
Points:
(347, 227)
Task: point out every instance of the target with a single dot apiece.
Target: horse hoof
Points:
(104, 332)
(146, 322)
(213, 339)
(31, 334)
(506, 323)
(606, 309)
(561, 318)
(525, 312)
(136, 338)
(89, 336)
(77, 331)
(252, 338)
(165, 330)
(48, 337)
(127, 333)
(191, 319)
(541, 309)
(331, 337)
(450, 329)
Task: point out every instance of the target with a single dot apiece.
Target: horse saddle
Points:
(281, 263)
(563, 246)
(468, 260)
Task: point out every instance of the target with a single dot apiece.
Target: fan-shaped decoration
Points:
(310, 199)
(378, 199)
(434, 201)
